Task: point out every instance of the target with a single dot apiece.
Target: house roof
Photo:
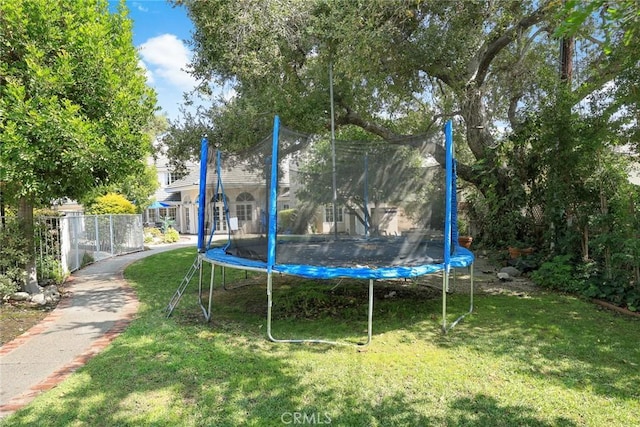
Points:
(163, 196)
(190, 180)
(236, 176)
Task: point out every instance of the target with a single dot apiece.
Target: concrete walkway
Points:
(98, 307)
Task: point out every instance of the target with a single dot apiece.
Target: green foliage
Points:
(7, 286)
(87, 259)
(111, 204)
(74, 101)
(167, 224)
(151, 234)
(14, 254)
(171, 235)
(137, 186)
(559, 274)
(50, 270)
(287, 219)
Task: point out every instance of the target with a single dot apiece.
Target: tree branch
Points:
(479, 67)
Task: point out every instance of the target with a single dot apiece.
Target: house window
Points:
(328, 214)
(219, 218)
(218, 203)
(171, 177)
(167, 213)
(244, 207)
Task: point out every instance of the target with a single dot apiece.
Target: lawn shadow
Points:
(550, 336)
(215, 371)
(557, 338)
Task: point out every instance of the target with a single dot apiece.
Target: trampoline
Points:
(302, 205)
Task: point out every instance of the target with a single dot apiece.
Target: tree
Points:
(139, 186)
(73, 102)
(400, 67)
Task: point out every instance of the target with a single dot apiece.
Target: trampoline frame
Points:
(270, 267)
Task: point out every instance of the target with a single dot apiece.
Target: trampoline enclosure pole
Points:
(366, 195)
(448, 133)
(273, 198)
(202, 196)
(333, 156)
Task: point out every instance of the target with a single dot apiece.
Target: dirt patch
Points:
(485, 280)
(18, 317)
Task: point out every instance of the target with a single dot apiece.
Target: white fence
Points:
(67, 243)
(90, 238)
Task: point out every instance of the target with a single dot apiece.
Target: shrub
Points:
(559, 274)
(50, 269)
(153, 231)
(87, 259)
(111, 203)
(287, 220)
(151, 234)
(171, 236)
(167, 223)
(7, 286)
(14, 256)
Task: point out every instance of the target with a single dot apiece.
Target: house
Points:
(245, 190)
(168, 203)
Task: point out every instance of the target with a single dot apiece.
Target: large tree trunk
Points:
(25, 215)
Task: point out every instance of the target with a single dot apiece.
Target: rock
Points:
(504, 277)
(51, 294)
(511, 271)
(20, 296)
(39, 299)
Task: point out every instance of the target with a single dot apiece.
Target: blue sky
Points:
(160, 32)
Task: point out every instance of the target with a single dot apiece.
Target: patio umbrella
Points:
(158, 205)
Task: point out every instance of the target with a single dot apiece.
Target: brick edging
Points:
(129, 311)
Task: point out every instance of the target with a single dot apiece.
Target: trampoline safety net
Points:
(315, 207)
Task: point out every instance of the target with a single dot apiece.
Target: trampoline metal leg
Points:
(200, 289)
(206, 311)
(317, 341)
(446, 328)
(370, 314)
(211, 285)
(445, 285)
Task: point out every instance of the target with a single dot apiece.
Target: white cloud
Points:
(166, 57)
(140, 7)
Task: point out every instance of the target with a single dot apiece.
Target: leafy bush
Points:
(87, 259)
(167, 223)
(171, 236)
(151, 234)
(559, 274)
(287, 220)
(14, 256)
(50, 269)
(111, 203)
(153, 231)
(7, 286)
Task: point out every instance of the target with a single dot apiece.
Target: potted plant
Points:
(464, 239)
(517, 252)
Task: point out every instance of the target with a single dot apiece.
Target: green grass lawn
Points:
(539, 360)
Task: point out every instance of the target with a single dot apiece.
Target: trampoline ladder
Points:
(175, 299)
